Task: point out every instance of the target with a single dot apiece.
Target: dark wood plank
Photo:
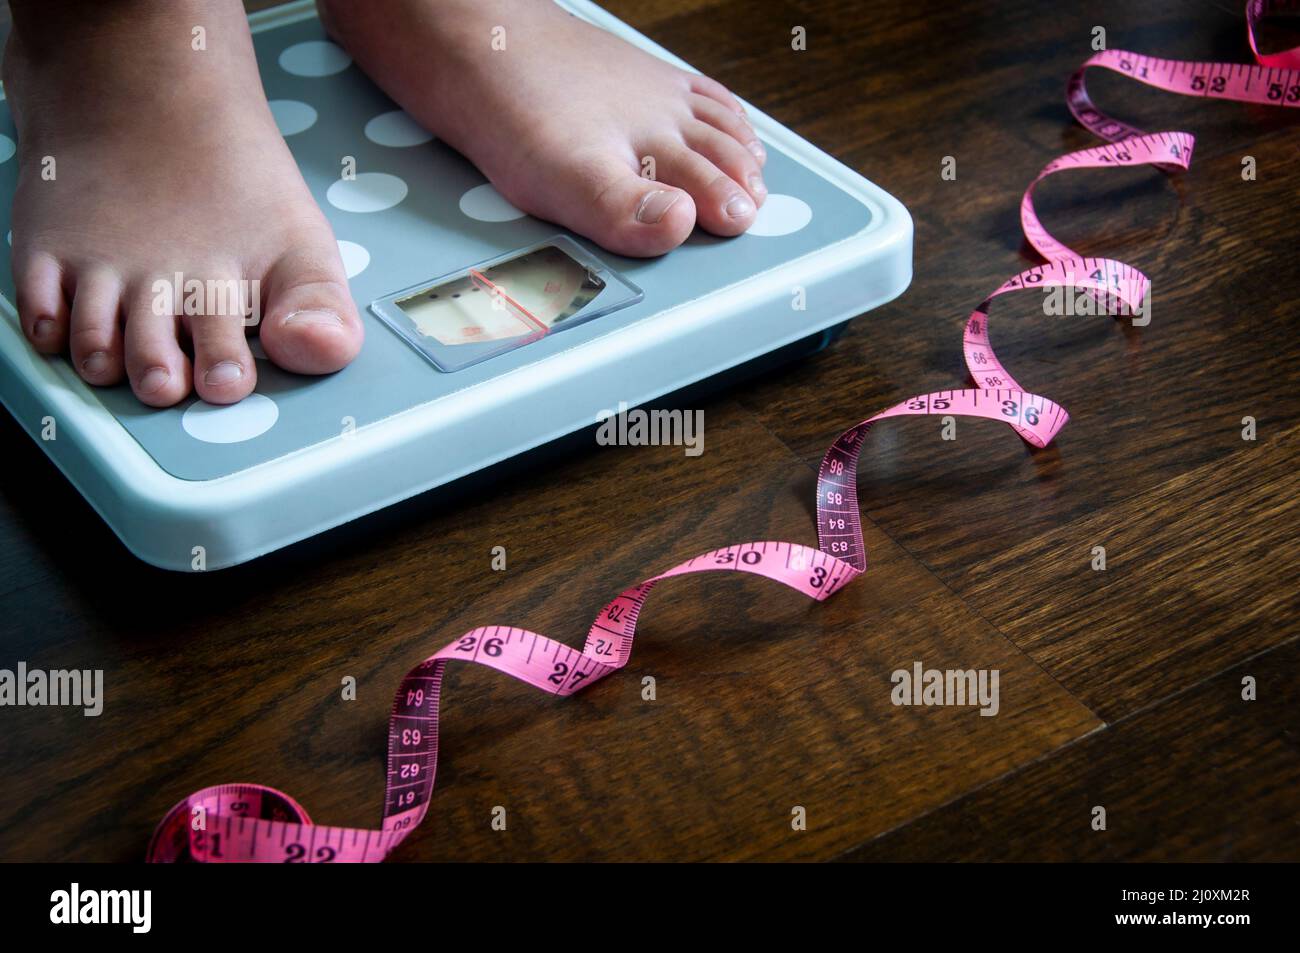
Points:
(1148, 405)
(764, 701)
(1200, 572)
(1239, 757)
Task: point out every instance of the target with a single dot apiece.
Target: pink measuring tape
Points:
(249, 822)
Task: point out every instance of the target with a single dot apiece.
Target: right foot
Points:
(165, 159)
(569, 122)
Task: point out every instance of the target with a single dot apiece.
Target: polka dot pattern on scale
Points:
(292, 116)
(355, 257)
(483, 203)
(230, 423)
(780, 215)
(314, 58)
(397, 130)
(7, 148)
(367, 192)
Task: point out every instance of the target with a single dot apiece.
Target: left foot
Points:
(570, 123)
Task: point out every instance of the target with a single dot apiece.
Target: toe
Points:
(42, 305)
(310, 325)
(721, 205)
(723, 119)
(95, 337)
(705, 86)
(156, 366)
(605, 199)
(224, 371)
(725, 152)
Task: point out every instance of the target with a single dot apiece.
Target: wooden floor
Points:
(1120, 689)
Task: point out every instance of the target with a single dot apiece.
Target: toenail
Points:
(756, 184)
(153, 380)
(756, 147)
(326, 318)
(655, 206)
(227, 372)
(44, 328)
(95, 364)
(738, 206)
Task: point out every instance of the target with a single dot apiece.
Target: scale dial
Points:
(546, 283)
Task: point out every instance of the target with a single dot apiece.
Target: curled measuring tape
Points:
(249, 822)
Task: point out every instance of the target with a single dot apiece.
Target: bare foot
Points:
(564, 118)
(165, 160)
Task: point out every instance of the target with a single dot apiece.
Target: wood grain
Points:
(1203, 776)
(1147, 405)
(764, 701)
(1119, 688)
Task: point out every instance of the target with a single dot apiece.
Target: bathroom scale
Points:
(488, 332)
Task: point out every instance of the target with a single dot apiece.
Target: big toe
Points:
(311, 325)
(605, 199)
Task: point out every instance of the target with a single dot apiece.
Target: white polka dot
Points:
(230, 423)
(292, 116)
(396, 129)
(10, 238)
(7, 148)
(368, 192)
(486, 204)
(355, 257)
(780, 215)
(314, 58)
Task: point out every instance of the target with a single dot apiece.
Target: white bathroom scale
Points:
(488, 333)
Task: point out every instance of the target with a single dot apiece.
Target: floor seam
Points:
(1103, 727)
(926, 567)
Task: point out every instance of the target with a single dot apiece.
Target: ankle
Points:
(101, 64)
(55, 29)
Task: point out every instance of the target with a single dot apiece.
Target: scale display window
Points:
(471, 315)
